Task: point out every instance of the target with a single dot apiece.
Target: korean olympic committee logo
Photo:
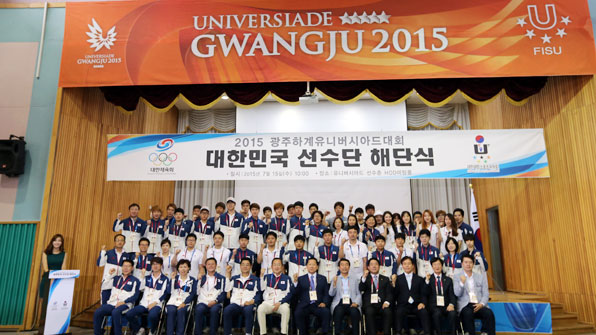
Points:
(481, 150)
(97, 40)
(161, 157)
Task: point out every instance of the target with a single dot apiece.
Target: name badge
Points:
(345, 300)
(473, 298)
(179, 300)
(385, 271)
(313, 295)
(374, 298)
(440, 301)
(357, 263)
(410, 300)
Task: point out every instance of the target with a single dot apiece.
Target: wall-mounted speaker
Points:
(12, 156)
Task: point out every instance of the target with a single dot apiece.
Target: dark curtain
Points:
(432, 90)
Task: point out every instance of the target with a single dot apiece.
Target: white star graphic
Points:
(530, 33)
(373, 18)
(355, 18)
(345, 19)
(545, 39)
(364, 18)
(521, 21)
(565, 20)
(561, 32)
(383, 18)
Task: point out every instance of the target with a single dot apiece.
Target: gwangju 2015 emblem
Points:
(98, 42)
(97, 39)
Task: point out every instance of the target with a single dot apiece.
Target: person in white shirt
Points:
(154, 287)
(244, 292)
(354, 251)
(278, 290)
(450, 230)
(193, 255)
(269, 253)
(183, 291)
(169, 259)
(211, 295)
(340, 235)
(222, 255)
(428, 222)
(124, 292)
(388, 230)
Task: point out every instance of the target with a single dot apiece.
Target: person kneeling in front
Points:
(277, 296)
(124, 292)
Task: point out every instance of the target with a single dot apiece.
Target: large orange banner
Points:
(225, 41)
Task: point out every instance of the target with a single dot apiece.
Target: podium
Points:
(60, 301)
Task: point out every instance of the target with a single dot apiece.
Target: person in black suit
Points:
(441, 297)
(312, 290)
(411, 297)
(377, 297)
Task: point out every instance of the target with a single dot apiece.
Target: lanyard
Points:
(220, 257)
(438, 286)
(180, 286)
(298, 259)
(191, 256)
(255, 224)
(452, 259)
(132, 226)
(248, 280)
(121, 285)
(276, 282)
(328, 254)
(143, 261)
(425, 252)
(202, 229)
(338, 236)
(241, 255)
(154, 285)
(372, 286)
(278, 224)
(154, 226)
(381, 257)
(409, 231)
(177, 229)
(352, 252)
(211, 287)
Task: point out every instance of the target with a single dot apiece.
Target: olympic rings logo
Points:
(162, 158)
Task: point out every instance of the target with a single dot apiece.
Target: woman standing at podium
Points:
(53, 258)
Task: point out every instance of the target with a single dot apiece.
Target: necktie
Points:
(375, 281)
(312, 282)
(439, 288)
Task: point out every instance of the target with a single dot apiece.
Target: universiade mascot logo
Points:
(162, 156)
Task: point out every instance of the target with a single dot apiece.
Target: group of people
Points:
(247, 265)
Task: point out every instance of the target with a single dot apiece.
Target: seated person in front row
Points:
(411, 297)
(269, 253)
(211, 293)
(312, 291)
(471, 290)
(124, 292)
(278, 290)
(183, 291)
(155, 288)
(441, 298)
(346, 298)
(244, 291)
(377, 297)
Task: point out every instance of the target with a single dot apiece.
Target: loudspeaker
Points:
(12, 157)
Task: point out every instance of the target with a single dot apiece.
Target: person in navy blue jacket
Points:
(475, 253)
(312, 291)
(244, 292)
(142, 259)
(458, 214)
(255, 228)
(111, 260)
(211, 293)
(229, 224)
(155, 287)
(277, 294)
(124, 292)
(156, 231)
(183, 291)
(133, 227)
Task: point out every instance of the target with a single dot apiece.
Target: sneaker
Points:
(141, 331)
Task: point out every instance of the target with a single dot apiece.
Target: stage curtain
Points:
(435, 194)
(204, 192)
(434, 92)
